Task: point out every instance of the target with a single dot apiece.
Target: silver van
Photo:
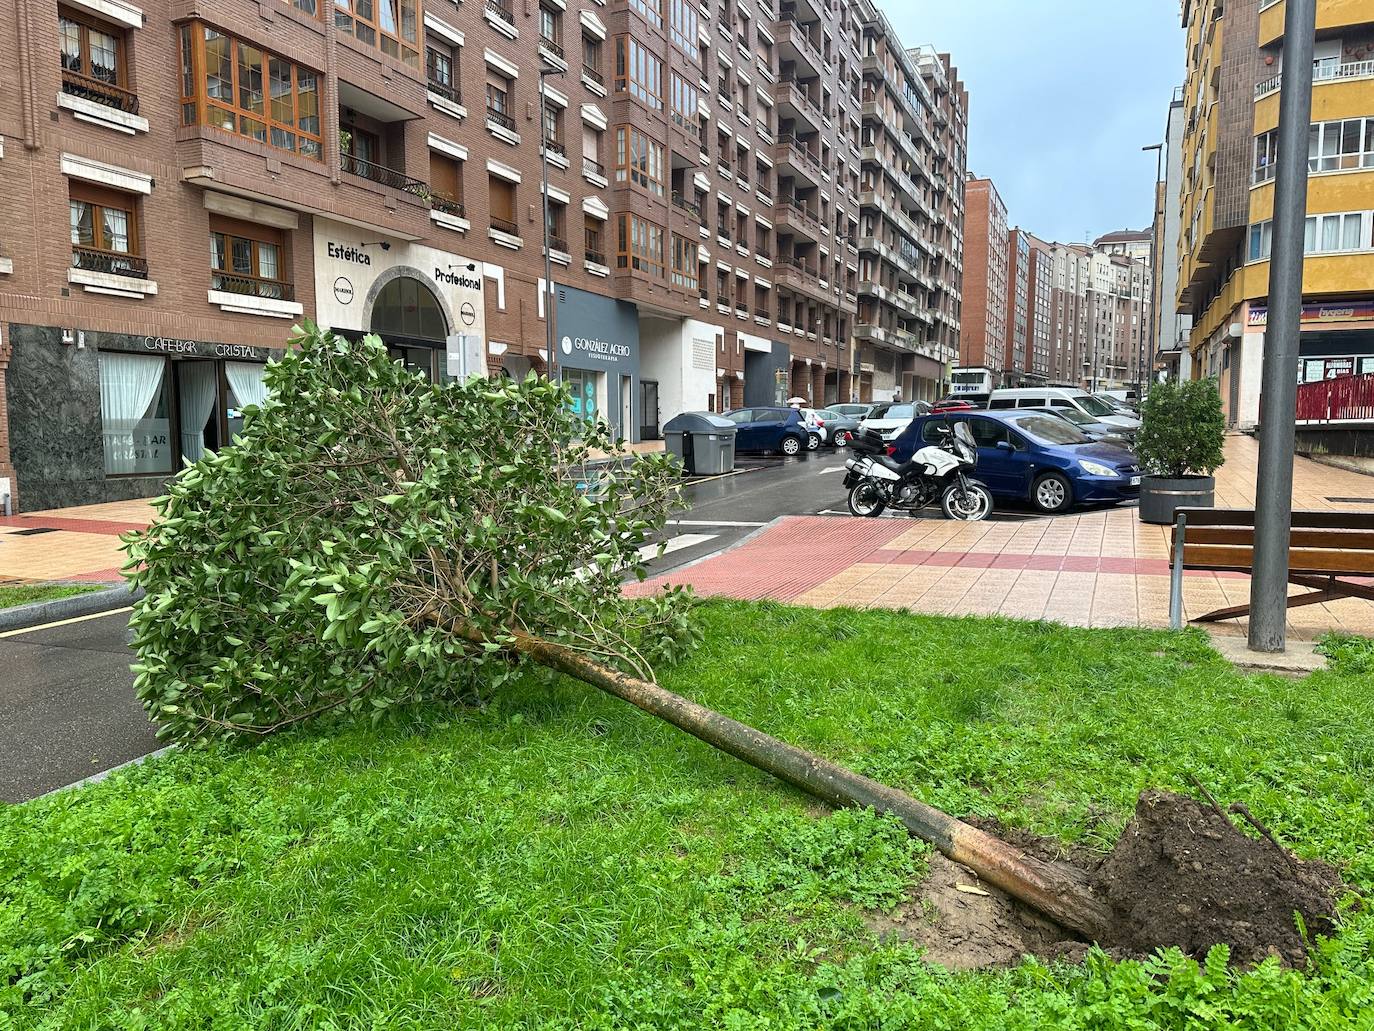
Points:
(1062, 397)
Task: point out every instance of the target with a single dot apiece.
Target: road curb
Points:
(21, 617)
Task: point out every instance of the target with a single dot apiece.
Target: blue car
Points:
(1036, 457)
(769, 429)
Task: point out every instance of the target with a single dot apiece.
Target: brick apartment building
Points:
(182, 182)
(984, 332)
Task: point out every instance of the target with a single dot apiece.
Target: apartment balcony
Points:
(794, 215)
(448, 205)
(383, 176)
(1321, 73)
(252, 286)
(448, 91)
(107, 94)
(791, 157)
(762, 315)
(110, 263)
(690, 207)
(793, 102)
(552, 51)
(793, 43)
(500, 11)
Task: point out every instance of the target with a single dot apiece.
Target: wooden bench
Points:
(1324, 547)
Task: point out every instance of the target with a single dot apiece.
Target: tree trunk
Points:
(1059, 891)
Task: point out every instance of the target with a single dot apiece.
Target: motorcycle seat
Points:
(900, 468)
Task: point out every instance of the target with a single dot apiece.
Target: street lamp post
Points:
(1158, 148)
(1279, 381)
(549, 349)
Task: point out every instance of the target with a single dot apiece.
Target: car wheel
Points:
(813, 441)
(843, 438)
(790, 446)
(1052, 493)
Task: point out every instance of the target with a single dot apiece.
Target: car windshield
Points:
(1095, 405)
(1049, 430)
(1074, 416)
(895, 412)
(830, 413)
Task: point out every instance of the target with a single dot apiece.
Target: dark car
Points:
(1101, 432)
(769, 429)
(1032, 456)
(837, 429)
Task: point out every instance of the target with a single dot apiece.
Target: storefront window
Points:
(246, 387)
(583, 386)
(134, 415)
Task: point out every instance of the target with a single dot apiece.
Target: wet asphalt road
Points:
(66, 693)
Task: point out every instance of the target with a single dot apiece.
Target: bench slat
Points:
(1298, 538)
(1300, 560)
(1307, 518)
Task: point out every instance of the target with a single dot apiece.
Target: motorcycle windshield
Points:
(964, 443)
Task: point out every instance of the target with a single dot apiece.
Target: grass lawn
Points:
(558, 859)
(24, 594)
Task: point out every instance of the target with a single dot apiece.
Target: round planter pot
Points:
(1161, 497)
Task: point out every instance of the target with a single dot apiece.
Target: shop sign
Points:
(181, 348)
(597, 350)
(1343, 311)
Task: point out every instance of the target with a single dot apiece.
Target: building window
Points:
(230, 85)
(556, 223)
(501, 194)
(683, 22)
(685, 109)
(441, 69)
(93, 61)
(391, 25)
(684, 263)
(1266, 153)
(638, 71)
(551, 31)
(135, 414)
(1334, 146)
(638, 160)
(652, 10)
(498, 101)
(591, 60)
(639, 245)
(247, 259)
(553, 130)
(1323, 234)
(104, 230)
(446, 184)
(591, 235)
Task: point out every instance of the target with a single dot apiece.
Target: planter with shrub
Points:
(1180, 447)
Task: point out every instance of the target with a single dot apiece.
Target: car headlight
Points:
(1096, 468)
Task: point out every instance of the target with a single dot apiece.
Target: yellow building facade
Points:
(1226, 194)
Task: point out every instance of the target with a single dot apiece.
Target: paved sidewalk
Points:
(78, 544)
(1098, 568)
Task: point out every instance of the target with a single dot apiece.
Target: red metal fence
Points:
(1345, 398)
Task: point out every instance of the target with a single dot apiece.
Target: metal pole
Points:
(549, 349)
(1155, 304)
(1279, 384)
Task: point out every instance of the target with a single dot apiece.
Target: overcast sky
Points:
(1062, 96)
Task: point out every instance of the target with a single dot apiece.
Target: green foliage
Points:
(1182, 429)
(331, 558)
(1348, 653)
(556, 859)
(26, 594)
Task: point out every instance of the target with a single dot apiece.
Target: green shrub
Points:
(1182, 429)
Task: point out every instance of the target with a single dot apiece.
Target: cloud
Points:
(1062, 97)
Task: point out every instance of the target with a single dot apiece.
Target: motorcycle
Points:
(877, 482)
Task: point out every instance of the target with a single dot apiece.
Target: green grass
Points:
(557, 859)
(25, 594)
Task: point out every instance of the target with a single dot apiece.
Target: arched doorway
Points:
(410, 319)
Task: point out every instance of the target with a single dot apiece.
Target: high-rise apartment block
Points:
(1225, 192)
(983, 335)
(182, 183)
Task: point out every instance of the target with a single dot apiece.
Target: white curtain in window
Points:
(197, 383)
(129, 385)
(245, 380)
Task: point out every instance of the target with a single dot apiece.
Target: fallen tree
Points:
(372, 540)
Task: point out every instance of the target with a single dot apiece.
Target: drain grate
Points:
(1351, 501)
(32, 531)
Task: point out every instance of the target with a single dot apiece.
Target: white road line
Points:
(64, 622)
(836, 469)
(681, 541)
(713, 522)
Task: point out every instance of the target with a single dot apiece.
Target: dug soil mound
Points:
(1183, 874)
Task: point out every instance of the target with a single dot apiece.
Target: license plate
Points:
(1135, 481)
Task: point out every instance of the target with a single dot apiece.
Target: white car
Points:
(815, 428)
(890, 419)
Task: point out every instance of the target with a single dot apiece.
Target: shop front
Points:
(766, 365)
(598, 359)
(426, 304)
(99, 417)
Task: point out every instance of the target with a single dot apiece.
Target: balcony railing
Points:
(554, 147)
(742, 309)
(383, 176)
(723, 230)
(501, 11)
(502, 225)
(99, 92)
(763, 252)
(691, 207)
(252, 286)
(596, 257)
(594, 74)
(762, 313)
(448, 205)
(552, 46)
(500, 118)
(1326, 72)
(114, 263)
(557, 243)
(449, 91)
(591, 166)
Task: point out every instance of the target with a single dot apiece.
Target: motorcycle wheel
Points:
(865, 500)
(967, 506)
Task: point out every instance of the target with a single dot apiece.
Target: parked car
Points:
(854, 411)
(1127, 398)
(953, 404)
(1033, 456)
(1093, 428)
(769, 429)
(972, 400)
(815, 428)
(1062, 397)
(890, 419)
(837, 429)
